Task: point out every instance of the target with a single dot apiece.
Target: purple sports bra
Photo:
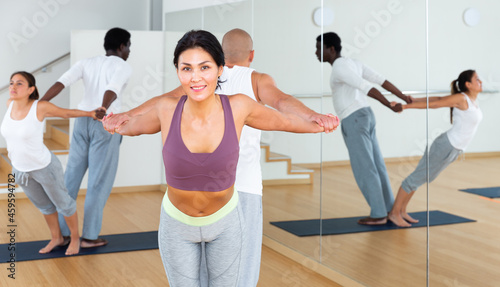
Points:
(201, 171)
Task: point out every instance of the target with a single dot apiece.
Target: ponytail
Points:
(454, 90)
(458, 86)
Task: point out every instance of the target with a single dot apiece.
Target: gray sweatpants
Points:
(180, 250)
(251, 206)
(441, 154)
(45, 188)
(367, 162)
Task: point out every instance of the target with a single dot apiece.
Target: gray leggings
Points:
(180, 250)
(441, 154)
(45, 188)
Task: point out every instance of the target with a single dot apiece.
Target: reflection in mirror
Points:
(389, 38)
(466, 254)
(291, 187)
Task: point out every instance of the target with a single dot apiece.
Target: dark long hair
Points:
(31, 83)
(458, 85)
(200, 39)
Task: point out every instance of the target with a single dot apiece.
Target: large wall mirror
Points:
(465, 254)
(390, 37)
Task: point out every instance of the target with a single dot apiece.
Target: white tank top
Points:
(238, 80)
(465, 123)
(25, 140)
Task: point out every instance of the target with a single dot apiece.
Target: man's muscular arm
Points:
(268, 93)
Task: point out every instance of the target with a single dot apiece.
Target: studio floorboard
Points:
(466, 254)
(124, 212)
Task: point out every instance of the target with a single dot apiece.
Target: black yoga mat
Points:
(25, 251)
(491, 192)
(346, 225)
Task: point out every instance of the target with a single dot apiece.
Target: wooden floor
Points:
(124, 212)
(466, 254)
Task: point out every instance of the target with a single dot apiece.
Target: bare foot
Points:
(398, 220)
(51, 245)
(88, 243)
(408, 218)
(73, 248)
(372, 221)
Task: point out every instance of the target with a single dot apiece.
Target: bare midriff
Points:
(199, 203)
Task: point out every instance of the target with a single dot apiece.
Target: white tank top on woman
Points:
(465, 123)
(25, 140)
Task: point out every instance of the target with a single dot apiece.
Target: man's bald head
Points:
(238, 47)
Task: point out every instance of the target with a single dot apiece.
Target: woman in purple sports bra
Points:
(200, 132)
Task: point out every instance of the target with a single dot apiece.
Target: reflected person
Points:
(465, 117)
(351, 82)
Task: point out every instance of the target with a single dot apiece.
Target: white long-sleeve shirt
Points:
(99, 74)
(350, 82)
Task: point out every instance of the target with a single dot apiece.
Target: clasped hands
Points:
(112, 122)
(398, 107)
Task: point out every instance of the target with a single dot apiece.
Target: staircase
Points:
(56, 138)
(277, 169)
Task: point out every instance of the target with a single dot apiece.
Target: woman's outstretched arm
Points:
(47, 109)
(147, 123)
(451, 101)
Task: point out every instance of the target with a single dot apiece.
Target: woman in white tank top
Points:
(34, 167)
(465, 118)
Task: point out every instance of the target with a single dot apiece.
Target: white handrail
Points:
(41, 68)
(430, 92)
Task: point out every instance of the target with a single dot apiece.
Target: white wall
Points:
(39, 30)
(35, 32)
(170, 6)
(455, 47)
(387, 35)
(140, 160)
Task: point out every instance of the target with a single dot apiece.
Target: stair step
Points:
(278, 157)
(56, 136)
(55, 146)
(57, 122)
(60, 136)
(300, 170)
(64, 127)
(293, 175)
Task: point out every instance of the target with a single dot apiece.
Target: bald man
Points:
(238, 78)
